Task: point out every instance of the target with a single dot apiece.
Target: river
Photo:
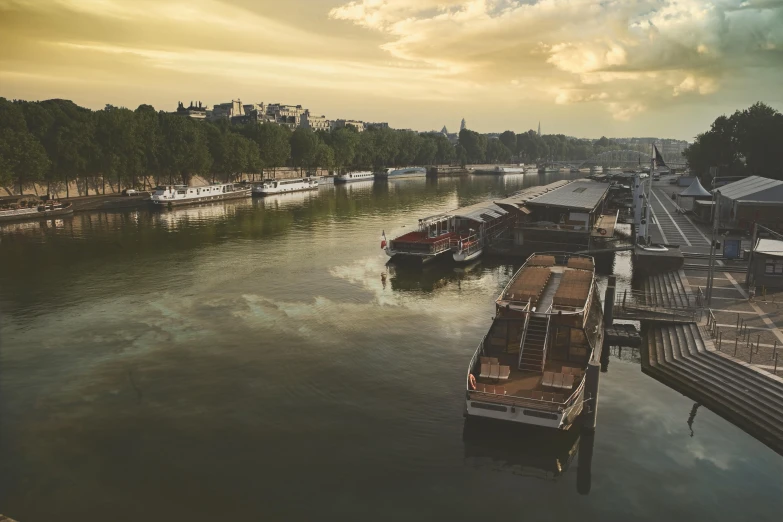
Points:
(247, 361)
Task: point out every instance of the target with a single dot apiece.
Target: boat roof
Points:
(580, 194)
(481, 212)
(525, 195)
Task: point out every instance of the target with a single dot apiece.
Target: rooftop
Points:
(582, 194)
(770, 247)
(752, 186)
(525, 195)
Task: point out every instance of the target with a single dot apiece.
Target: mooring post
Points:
(592, 375)
(775, 371)
(758, 342)
(736, 340)
(609, 302)
(720, 340)
(738, 320)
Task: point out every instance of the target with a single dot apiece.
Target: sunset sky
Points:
(582, 67)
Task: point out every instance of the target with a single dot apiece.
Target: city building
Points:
(288, 115)
(463, 125)
(315, 123)
(379, 125)
(340, 124)
(765, 268)
(197, 112)
(226, 110)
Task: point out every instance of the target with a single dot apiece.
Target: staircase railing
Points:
(546, 337)
(524, 332)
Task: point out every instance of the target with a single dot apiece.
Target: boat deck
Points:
(606, 222)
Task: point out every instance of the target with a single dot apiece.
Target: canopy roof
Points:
(582, 195)
(770, 247)
(695, 190)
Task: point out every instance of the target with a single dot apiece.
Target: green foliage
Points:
(747, 142)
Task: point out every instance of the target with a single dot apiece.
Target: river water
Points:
(247, 361)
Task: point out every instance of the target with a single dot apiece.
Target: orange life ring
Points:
(472, 381)
(602, 231)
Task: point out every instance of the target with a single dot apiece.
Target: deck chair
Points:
(489, 389)
(557, 380)
(535, 394)
(568, 382)
(484, 360)
(559, 398)
(500, 390)
(549, 397)
(493, 360)
(484, 371)
(547, 379)
(525, 394)
(505, 371)
(494, 371)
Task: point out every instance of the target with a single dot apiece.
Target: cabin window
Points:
(773, 267)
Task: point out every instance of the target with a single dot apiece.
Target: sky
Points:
(585, 68)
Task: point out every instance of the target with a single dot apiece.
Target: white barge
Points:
(530, 367)
(407, 172)
(350, 177)
(174, 195)
(270, 187)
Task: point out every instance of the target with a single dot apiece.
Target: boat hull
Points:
(338, 180)
(398, 174)
(260, 193)
(460, 257)
(37, 216)
(561, 420)
(413, 258)
(240, 193)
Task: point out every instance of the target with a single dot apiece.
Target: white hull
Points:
(181, 195)
(412, 257)
(517, 414)
(270, 188)
(414, 172)
(352, 177)
(460, 257)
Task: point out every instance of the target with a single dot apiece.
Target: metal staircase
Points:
(533, 349)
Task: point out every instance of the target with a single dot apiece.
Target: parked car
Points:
(130, 192)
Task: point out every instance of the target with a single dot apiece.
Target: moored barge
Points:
(530, 367)
(175, 195)
(44, 211)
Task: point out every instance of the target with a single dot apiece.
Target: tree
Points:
(509, 139)
(497, 152)
(273, 142)
(344, 142)
(475, 145)
(428, 150)
(304, 143)
(324, 157)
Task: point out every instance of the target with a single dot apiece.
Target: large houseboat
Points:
(280, 186)
(47, 210)
(350, 177)
(408, 172)
(173, 195)
(530, 367)
(463, 234)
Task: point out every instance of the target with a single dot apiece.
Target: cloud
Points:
(626, 56)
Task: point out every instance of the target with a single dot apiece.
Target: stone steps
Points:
(678, 355)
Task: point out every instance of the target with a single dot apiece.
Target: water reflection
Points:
(287, 201)
(528, 450)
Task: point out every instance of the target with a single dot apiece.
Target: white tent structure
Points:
(694, 191)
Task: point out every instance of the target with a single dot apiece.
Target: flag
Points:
(658, 158)
(383, 239)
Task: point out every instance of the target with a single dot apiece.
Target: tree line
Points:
(55, 142)
(746, 143)
(529, 147)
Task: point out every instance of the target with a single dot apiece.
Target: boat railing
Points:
(524, 331)
(546, 336)
(466, 245)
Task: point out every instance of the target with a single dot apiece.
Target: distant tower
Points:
(463, 125)
(444, 130)
(539, 128)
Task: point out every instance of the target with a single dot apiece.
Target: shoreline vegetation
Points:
(61, 146)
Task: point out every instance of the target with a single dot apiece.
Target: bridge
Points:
(622, 158)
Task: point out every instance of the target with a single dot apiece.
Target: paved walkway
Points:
(762, 316)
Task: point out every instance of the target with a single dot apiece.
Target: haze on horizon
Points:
(582, 68)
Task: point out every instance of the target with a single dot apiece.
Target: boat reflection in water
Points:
(528, 450)
(200, 214)
(284, 201)
(430, 277)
